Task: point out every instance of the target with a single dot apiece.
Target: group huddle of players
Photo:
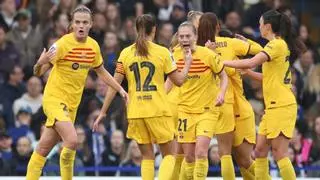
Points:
(201, 97)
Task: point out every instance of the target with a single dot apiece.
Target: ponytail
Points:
(281, 26)
(144, 26)
(296, 46)
(207, 28)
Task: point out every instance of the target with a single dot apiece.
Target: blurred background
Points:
(28, 26)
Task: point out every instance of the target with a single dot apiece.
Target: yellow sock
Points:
(251, 168)
(67, 157)
(177, 166)
(147, 169)
(201, 169)
(286, 169)
(188, 171)
(166, 168)
(182, 175)
(248, 174)
(262, 169)
(227, 168)
(35, 166)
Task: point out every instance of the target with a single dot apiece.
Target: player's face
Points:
(81, 24)
(186, 37)
(262, 27)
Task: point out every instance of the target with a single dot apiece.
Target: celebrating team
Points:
(201, 98)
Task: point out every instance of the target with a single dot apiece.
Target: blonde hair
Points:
(314, 80)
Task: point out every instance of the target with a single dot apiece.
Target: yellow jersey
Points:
(71, 64)
(277, 75)
(199, 91)
(146, 80)
(231, 49)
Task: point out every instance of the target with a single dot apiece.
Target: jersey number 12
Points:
(136, 71)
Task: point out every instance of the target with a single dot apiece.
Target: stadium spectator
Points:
(58, 28)
(178, 15)
(113, 17)
(84, 152)
(98, 28)
(9, 56)
(100, 6)
(11, 90)
(23, 123)
(301, 144)
(22, 156)
(32, 98)
(7, 13)
(132, 160)
(110, 51)
(66, 6)
(214, 160)
(113, 155)
(128, 32)
(5, 147)
(26, 39)
(304, 66)
(165, 34)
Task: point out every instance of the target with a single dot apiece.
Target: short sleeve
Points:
(98, 60)
(215, 63)
(240, 47)
(169, 63)
(56, 48)
(121, 59)
(271, 50)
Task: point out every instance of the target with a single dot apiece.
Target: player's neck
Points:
(271, 36)
(80, 40)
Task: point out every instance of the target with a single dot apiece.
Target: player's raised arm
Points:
(43, 63)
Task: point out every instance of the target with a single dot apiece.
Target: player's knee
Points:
(278, 153)
(189, 158)
(243, 161)
(42, 150)
(71, 142)
(201, 153)
(261, 151)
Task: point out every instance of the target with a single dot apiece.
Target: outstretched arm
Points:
(248, 63)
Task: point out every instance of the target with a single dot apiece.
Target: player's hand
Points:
(188, 55)
(242, 71)
(124, 95)
(211, 45)
(220, 99)
(239, 36)
(96, 123)
(46, 56)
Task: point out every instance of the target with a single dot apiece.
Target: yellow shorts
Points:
(175, 120)
(245, 129)
(278, 120)
(192, 125)
(150, 130)
(58, 111)
(226, 122)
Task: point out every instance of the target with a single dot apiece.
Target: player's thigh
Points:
(243, 153)
(160, 129)
(245, 130)
(67, 132)
(138, 131)
(49, 138)
(186, 127)
(281, 120)
(262, 146)
(226, 122)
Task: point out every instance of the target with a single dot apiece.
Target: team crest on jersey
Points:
(75, 66)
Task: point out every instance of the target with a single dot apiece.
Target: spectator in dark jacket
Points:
(7, 13)
(22, 156)
(133, 160)
(11, 90)
(9, 56)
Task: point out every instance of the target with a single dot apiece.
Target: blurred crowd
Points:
(28, 26)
